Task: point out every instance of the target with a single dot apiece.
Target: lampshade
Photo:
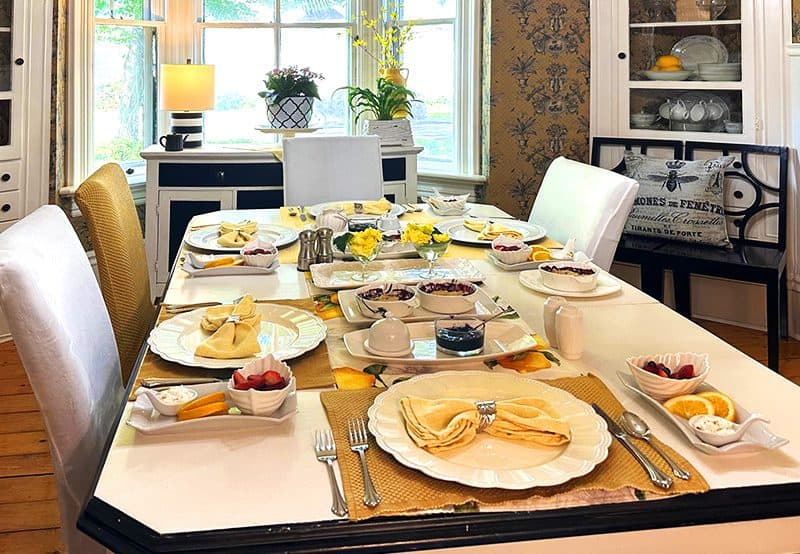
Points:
(187, 87)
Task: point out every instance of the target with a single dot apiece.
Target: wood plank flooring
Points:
(29, 520)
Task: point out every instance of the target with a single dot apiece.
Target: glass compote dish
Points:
(365, 246)
(429, 243)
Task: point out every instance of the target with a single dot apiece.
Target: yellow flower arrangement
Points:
(363, 243)
(424, 233)
(390, 41)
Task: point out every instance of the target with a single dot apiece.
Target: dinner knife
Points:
(657, 476)
(152, 382)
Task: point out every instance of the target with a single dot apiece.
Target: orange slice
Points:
(219, 262)
(688, 405)
(723, 404)
(203, 400)
(539, 248)
(215, 408)
(540, 256)
(348, 378)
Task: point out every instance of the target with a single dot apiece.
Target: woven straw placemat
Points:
(404, 489)
(311, 370)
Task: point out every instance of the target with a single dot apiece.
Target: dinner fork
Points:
(357, 435)
(303, 216)
(325, 449)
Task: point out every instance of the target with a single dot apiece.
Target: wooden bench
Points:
(755, 257)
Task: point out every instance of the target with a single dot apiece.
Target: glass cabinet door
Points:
(11, 76)
(685, 66)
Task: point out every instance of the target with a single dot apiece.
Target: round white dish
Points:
(697, 49)
(491, 462)
(398, 308)
(458, 233)
(662, 388)
(606, 284)
(286, 333)
(568, 283)
(384, 354)
(446, 304)
(206, 238)
(316, 209)
(389, 335)
(667, 75)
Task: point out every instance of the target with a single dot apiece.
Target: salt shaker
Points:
(569, 328)
(324, 252)
(308, 250)
(551, 305)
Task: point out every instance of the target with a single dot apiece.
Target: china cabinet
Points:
(676, 69)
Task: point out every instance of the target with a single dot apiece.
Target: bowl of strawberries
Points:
(261, 386)
(663, 376)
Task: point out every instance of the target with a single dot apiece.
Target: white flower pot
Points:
(290, 113)
(393, 132)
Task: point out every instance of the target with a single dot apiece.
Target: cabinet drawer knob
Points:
(220, 176)
(5, 177)
(5, 208)
(19, 61)
(129, 171)
(622, 55)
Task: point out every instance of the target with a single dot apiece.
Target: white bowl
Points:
(261, 402)
(662, 388)
(398, 308)
(454, 204)
(259, 260)
(566, 282)
(511, 256)
(389, 335)
(643, 118)
(667, 75)
(442, 303)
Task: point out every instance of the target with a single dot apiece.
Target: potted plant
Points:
(384, 105)
(289, 96)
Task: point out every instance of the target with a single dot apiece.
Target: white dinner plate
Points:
(606, 284)
(206, 238)
(286, 333)
(696, 49)
(339, 275)
(316, 209)
(455, 228)
(502, 339)
(146, 421)
(492, 462)
(758, 437)
(484, 308)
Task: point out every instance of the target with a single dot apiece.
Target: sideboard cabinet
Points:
(183, 184)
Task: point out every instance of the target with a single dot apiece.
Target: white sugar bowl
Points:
(388, 336)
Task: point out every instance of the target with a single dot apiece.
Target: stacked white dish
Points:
(720, 71)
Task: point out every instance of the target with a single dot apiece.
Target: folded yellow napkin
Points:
(448, 423)
(246, 226)
(235, 239)
(370, 207)
(231, 339)
(215, 316)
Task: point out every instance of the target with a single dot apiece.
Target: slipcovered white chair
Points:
(63, 334)
(585, 202)
(326, 169)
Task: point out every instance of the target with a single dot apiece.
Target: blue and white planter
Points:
(290, 113)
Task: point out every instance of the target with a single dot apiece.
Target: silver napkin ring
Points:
(487, 409)
(233, 319)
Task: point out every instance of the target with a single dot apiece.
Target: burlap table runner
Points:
(311, 370)
(455, 250)
(404, 489)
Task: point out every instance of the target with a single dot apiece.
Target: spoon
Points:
(504, 311)
(723, 438)
(162, 407)
(637, 427)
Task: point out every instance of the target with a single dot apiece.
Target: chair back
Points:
(63, 335)
(585, 202)
(326, 169)
(105, 200)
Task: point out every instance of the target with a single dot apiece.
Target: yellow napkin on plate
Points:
(245, 226)
(215, 316)
(448, 423)
(370, 207)
(235, 239)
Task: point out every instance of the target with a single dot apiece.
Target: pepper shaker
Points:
(569, 328)
(324, 245)
(308, 250)
(551, 305)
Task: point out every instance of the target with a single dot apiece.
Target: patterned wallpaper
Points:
(539, 95)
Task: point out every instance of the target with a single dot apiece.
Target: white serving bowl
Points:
(258, 402)
(453, 205)
(681, 75)
(398, 308)
(511, 256)
(662, 388)
(447, 303)
(259, 260)
(389, 336)
(565, 282)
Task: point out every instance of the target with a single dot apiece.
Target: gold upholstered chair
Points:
(106, 202)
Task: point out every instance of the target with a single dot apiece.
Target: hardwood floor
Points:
(29, 519)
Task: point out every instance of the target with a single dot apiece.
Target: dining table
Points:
(261, 488)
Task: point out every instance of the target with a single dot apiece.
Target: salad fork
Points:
(357, 435)
(325, 449)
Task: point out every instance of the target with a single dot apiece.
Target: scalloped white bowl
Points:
(261, 402)
(259, 260)
(662, 388)
(511, 256)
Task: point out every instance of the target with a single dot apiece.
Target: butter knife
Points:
(657, 476)
(153, 382)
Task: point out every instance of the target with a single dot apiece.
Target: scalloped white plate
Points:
(206, 237)
(455, 228)
(491, 462)
(606, 284)
(286, 333)
(316, 209)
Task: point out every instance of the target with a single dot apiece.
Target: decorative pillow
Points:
(677, 199)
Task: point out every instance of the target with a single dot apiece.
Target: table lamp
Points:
(186, 91)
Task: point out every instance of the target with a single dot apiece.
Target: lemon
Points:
(688, 405)
(723, 404)
(668, 60)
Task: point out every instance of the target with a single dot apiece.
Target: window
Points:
(119, 44)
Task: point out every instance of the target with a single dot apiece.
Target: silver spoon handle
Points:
(677, 470)
(656, 475)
